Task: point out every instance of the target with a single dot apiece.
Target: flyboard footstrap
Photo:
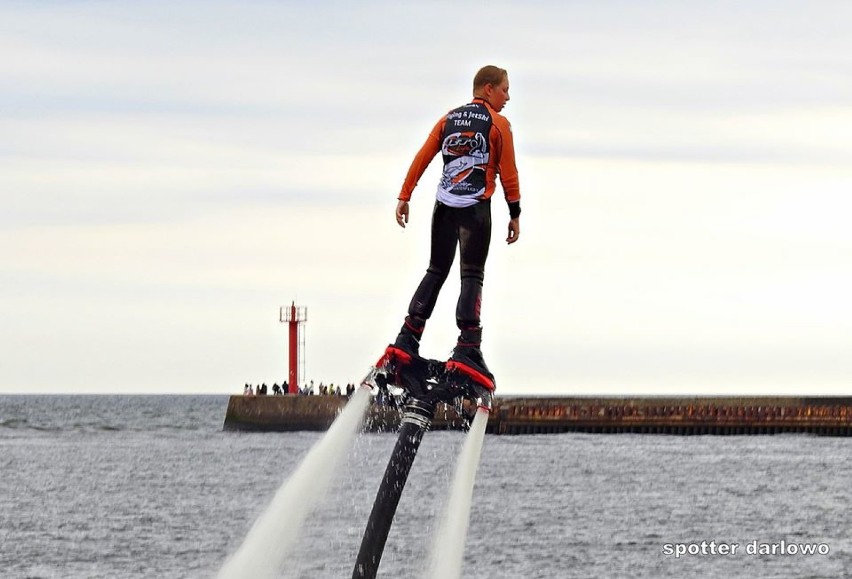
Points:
(415, 421)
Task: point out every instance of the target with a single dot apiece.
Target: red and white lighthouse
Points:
(295, 316)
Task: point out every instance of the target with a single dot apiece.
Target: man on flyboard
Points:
(476, 144)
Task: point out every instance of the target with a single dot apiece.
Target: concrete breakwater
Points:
(827, 416)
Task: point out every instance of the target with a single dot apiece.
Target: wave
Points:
(108, 414)
(13, 423)
(24, 425)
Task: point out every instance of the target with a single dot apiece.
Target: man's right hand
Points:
(402, 213)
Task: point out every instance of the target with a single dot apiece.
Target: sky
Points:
(172, 173)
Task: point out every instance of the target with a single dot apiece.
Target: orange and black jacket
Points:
(476, 145)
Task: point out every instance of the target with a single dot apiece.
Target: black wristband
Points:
(514, 209)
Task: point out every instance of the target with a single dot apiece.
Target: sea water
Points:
(265, 550)
(150, 486)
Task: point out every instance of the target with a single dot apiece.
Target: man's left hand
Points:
(514, 230)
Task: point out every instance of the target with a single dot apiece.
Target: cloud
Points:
(171, 174)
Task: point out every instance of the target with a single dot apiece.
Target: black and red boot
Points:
(406, 346)
(401, 364)
(467, 358)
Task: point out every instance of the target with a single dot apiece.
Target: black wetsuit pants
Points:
(469, 229)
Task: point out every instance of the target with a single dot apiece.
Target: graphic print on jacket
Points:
(464, 147)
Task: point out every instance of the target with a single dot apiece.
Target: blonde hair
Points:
(489, 75)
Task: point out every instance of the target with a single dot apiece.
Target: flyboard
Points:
(425, 382)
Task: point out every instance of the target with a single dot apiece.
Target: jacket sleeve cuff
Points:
(514, 209)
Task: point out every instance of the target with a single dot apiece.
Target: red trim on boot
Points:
(414, 329)
(393, 352)
(473, 373)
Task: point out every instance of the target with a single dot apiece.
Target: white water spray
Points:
(448, 548)
(268, 543)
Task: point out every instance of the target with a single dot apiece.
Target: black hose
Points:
(415, 421)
